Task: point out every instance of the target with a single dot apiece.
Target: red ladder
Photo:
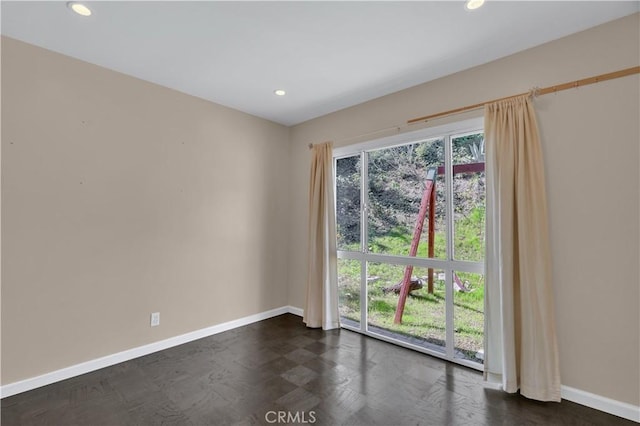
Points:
(427, 205)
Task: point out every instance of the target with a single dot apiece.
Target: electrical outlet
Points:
(155, 319)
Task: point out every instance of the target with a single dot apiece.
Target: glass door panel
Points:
(398, 177)
(349, 275)
(468, 197)
(348, 203)
(424, 316)
(468, 312)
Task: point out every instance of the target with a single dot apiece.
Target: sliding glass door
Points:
(410, 224)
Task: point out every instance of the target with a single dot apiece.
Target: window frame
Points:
(448, 132)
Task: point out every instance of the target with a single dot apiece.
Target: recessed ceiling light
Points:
(473, 4)
(280, 92)
(79, 8)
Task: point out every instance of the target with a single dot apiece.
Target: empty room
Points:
(319, 212)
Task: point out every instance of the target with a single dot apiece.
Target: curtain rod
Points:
(536, 92)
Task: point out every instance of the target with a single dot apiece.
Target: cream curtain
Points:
(321, 308)
(520, 339)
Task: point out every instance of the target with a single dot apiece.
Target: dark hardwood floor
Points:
(278, 365)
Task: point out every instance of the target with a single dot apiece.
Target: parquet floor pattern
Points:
(240, 376)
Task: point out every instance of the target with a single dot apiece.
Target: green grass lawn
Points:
(424, 314)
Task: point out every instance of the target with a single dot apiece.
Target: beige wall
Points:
(591, 137)
(121, 198)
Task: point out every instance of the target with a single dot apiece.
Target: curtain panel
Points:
(520, 338)
(321, 309)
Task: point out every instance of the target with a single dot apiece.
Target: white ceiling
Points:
(326, 55)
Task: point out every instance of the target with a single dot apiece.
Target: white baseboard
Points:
(106, 361)
(611, 406)
(296, 311)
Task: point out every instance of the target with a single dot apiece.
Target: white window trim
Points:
(459, 127)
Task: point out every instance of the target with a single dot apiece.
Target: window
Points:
(410, 212)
